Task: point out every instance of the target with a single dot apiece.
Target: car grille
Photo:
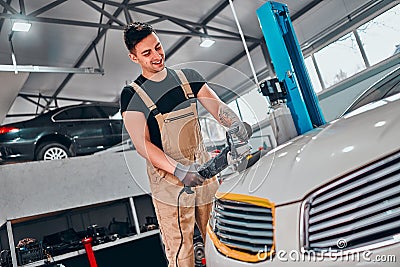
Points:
(358, 210)
(245, 227)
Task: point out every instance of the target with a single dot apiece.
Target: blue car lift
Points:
(289, 65)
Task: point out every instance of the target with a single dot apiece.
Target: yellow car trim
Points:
(232, 252)
(262, 202)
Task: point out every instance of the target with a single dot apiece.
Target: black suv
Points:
(62, 133)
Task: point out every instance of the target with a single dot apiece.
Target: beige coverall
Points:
(181, 139)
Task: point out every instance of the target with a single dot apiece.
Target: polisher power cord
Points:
(208, 170)
(188, 191)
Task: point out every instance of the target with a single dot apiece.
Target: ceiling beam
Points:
(141, 3)
(8, 7)
(305, 9)
(185, 26)
(110, 3)
(128, 16)
(244, 86)
(199, 34)
(47, 98)
(175, 47)
(241, 54)
(144, 3)
(198, 24)
(114, 27)
(61, 21)
(1, 19)
(215, 12)
(157, 20)
(85, 55)
(22, 7)
(30, 100)
(232, 60)
(46, 8)
(105, 13)
(109, 26)
(193, 32)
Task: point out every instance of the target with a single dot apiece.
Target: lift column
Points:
(289, 66)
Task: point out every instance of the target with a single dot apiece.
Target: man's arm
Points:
(218, 109)
(223, 114)
(136, 125)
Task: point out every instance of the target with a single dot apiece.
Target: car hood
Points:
(291, 171)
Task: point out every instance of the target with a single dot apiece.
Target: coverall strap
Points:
(143, 95)
(185, 84)
(149, 103)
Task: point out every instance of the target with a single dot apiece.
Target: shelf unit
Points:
(133, 210)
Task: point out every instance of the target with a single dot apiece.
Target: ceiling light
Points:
(206, 42)
(21, 26)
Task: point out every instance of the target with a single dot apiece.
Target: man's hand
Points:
(188, 174)
(241, 129)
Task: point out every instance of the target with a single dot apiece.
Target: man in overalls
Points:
(160, 115)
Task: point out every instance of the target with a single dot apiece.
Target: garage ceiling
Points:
(74, 49)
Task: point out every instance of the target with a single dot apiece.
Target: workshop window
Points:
(339, 60)
(111, 113)
(313, 74)
(79, 113)
(378, 39)
(213, 133)
(380, 36)
(252, 107)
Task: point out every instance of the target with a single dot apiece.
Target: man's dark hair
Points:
(135, 32)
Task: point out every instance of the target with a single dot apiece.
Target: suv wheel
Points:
(52, 151)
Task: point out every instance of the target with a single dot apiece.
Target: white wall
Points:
(11, 84)
(40, 187)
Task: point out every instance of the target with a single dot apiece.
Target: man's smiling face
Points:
(149, 54)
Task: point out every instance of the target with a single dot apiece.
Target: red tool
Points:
(87, 242)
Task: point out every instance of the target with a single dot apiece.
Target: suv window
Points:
(78, 113)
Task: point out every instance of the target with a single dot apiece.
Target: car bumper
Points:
(287, 232)
(10, 151)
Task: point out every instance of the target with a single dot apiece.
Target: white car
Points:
(330, 197)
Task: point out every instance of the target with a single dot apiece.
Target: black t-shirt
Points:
(167, 94)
